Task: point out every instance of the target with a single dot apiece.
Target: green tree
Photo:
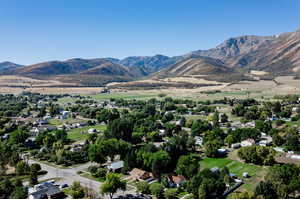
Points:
(157, 190)
(19, 193)
(76, 191)
(266, 190)
(171, 194)
(96, 153)
(112, 184)
(215, 118)
(160, 161)
(35, 167)
(33, 178)
(229, 140)
(21, 168)
(187, 165)
(211, 148)
(143, 187)
(121, 129)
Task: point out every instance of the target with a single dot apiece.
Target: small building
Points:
(30, 142)
(246, 175)
(5, 136)
(64, 115)
(215, 169)
(35, 131)
(91, 131)
(248, 142)
(198, 140)
(41, 122)
(294, 109)
(222, 152)
(176, 181)
(139, 174)
(279, 149)
(77, 146)
(264, 143)
(105, 90)
(45, 190)
(236, 145)
(297, 157)
(116, 166)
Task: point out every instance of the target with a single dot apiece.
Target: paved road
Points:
(70, 175)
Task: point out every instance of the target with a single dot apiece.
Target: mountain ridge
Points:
(277, 55)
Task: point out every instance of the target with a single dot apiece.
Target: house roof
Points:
(44, 189)
(138, 172)
(178, 179)
(116, 165)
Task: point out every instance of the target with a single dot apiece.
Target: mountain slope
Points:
(149, 64)
(279, 56)
(8, 66)
(202, 67)
(110, 69)
(71, 66)
(233, 47)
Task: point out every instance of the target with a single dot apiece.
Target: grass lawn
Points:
(257, 173)
(293, 123)
(89, 176)
(57, 122)
(75, 134)
(120, 96)
(66, 100)
(235, 167)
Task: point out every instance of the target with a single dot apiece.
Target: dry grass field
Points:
(257, 89)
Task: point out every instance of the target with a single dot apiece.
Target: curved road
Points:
(68, 176)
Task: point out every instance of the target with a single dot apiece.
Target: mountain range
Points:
(277, 55)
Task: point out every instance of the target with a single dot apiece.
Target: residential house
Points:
(45, 191)
(77, 146)
(222, 152)
(176, 181)
(138, 174)
(35, 131)
(248, 142)
(198, 140)
(236, 145)
(115, 166)
(279, 149)
(91, 131)
(64, 115)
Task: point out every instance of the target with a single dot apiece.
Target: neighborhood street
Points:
(69, 175)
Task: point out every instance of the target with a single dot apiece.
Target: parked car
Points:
(63, 186)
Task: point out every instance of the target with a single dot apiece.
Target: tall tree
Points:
(112, 184)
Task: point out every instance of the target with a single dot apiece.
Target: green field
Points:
(256, 172)
(66, 100)
(57, 122)
(235, 167)
(76, 135)
(120, 96)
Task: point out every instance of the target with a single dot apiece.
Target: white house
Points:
(90, 131)
(248, 142)
(116, 166)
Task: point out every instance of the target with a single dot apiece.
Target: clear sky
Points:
(40, 30)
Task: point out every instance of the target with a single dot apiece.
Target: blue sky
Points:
(40, 30)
